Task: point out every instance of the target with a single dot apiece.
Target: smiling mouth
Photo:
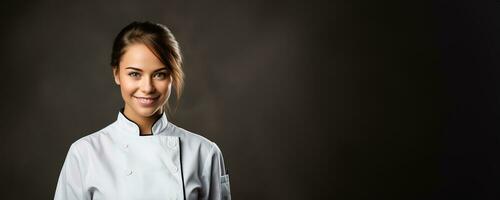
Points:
(145, 101)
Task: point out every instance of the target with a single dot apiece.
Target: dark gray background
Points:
(307, 100)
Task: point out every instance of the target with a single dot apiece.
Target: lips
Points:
(146, 101)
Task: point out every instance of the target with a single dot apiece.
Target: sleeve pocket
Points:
(225, 188)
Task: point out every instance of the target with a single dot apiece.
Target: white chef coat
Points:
(117, 163)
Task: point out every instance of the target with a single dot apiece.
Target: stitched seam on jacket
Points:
(210, 156)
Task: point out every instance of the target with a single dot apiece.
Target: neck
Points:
(145, 123)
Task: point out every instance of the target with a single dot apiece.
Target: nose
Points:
(147, 86)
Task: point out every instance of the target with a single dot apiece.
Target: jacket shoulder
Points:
(92, 140)
(194, 140)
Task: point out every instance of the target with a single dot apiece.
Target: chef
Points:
(142, 155)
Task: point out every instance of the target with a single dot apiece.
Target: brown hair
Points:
(160, 41)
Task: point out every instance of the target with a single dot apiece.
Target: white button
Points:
(125, 147)
(175, 169)
(172, 143)
(129, 172)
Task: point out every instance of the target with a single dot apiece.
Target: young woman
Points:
(142, 155)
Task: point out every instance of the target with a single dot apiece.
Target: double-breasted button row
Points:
(172, 143)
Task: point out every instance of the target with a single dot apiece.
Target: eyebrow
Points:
(164, 68)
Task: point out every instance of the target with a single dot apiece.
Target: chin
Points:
(146, 112)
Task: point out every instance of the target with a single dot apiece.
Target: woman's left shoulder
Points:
(193, 140)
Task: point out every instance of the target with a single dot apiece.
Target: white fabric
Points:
(117, 163)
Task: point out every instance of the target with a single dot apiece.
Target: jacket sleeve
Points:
(70, 183)
(215, 177)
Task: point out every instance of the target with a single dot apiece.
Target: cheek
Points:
(163, 87)
(127, 87)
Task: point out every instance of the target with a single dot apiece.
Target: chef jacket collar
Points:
(131, 127)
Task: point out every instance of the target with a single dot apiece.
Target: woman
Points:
(142, 155)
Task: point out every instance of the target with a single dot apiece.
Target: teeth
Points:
(145, 100)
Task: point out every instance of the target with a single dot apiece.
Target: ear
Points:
(116, 73)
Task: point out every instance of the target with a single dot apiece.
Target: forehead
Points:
(141, 57)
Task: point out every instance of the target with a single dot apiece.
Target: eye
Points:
(161, 75)
(133, 74)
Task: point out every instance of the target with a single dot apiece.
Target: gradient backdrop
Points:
(306, 99)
